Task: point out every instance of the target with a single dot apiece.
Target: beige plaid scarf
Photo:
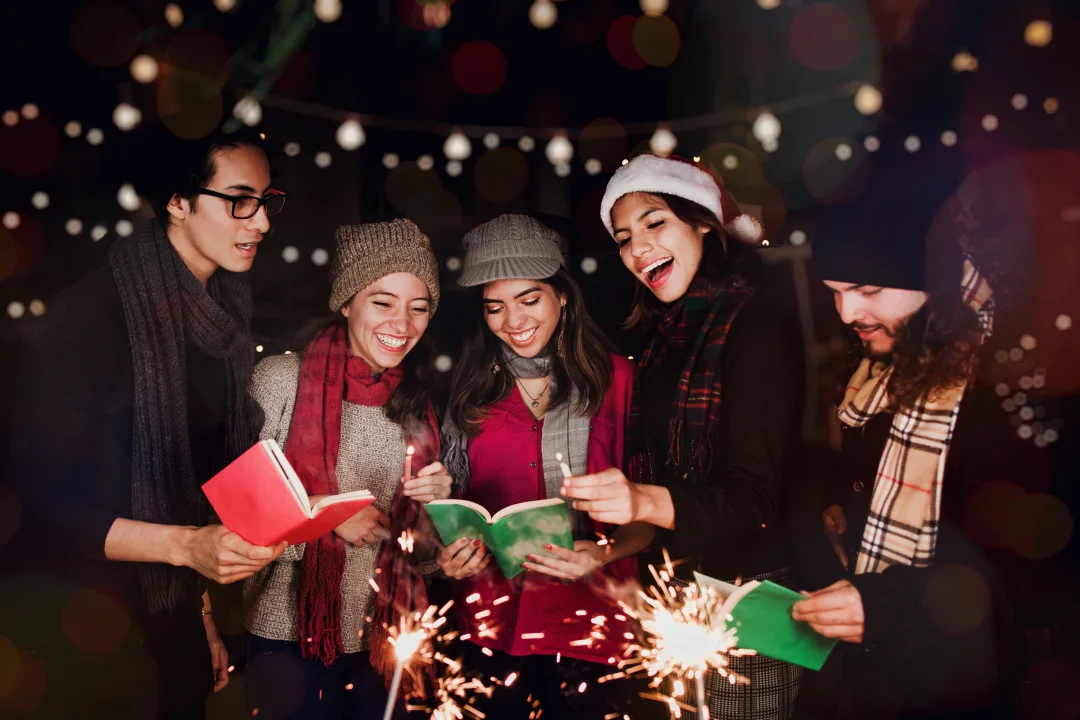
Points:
(905, 508)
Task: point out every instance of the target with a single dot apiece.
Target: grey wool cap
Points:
(510, 247)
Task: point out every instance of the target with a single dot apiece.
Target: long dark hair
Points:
(585, 363)
(721, 258)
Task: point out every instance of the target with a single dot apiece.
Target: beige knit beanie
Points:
(370, 251)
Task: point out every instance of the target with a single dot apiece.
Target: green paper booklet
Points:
(761, 614)
(510, 534)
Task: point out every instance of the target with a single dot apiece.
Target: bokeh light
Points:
(589, 265)
(1039, 33)
(867, 99)
(425, 162)
(654, 7)
(292, 149)
(319, 257)
(443, 363)
(956, 599)
(501, 175)
(1041, 525)
(174, 15)
(10, 220)
(30, 111)
(11, 118)
(144, 69)
(40, 200)
(559, 149)
(965, 62)
(128, 198)
(593, 166)
(656, 40)
(603, 139)
(798, 237)
(328, 11)
(620, 43)
(73, 226)
(390, 161)
(948, 138)
(105, 33)
(871, 143)
(290, 254)
(663, 142)
(526, 144)
(454, 168)
(543, 14)
(1051, 105)
(990, 123)
(768, 4)
(479, 67)
(350, 134)
(831, 178)
(323, 160)
(248, 110)
(124, 227)
(457, 146)
(73, 129)
(823, 37)
(1019, 101)
(16, 309)
(912, 143)
(436, 15)
(491, 141)
(93, 622)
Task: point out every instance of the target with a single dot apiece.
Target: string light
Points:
(37, 307)
(843, 152)
(128, 198)
(526, 144)
(443, 363)
(328, 11)
(15, 309)
(248, 110)
(1019, 101)
(766, 128)
(40, 200)
(225, 5)
(320, 257)
(912, 143)
(97, 232)
(425, 162)
(350, 134)
(126, 117)
(948, 138)
(453, 263)
(654, 8)
(73, 129)
(730, 162)
(871, 143)
(124, 228)
(292, 149)
(323, 159)
(593, 166)
(768, 4)
(559, 150)
(95, 136)
(457, 146)
(491, 141)
(144, 69)
(543, 14)
(965, 62)
(663, 142)
(990, 123)
(174, 16)
(11, 118)
(867, 99)
(1063, 322)
(589, 265)
(73, 226)
(798, 237)
(30, 111)
(562, 169)
(1051, 105)
(290, 254)
(11, 220)
(390, 161)
(454, 168)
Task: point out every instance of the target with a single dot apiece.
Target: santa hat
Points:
(674, 176)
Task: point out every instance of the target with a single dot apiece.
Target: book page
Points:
(476, 507)
(522, 507)
(734, 598)
(339, 498)
(288, 475)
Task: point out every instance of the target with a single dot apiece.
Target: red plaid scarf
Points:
(697, 399)
(330, 375)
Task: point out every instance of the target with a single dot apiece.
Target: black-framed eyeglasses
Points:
(245, 206)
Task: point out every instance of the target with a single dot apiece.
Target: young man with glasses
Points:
(134, 394)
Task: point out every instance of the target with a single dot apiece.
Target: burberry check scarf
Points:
(905, 507)
(706, 323)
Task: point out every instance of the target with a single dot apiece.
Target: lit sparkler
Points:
(677, 640)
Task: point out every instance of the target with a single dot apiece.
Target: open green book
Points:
(761, 614)
(510, 534)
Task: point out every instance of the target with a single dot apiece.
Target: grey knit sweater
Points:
(371, 457)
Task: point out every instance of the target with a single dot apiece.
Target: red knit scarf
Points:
(330, 375)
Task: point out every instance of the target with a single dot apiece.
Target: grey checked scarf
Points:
(564, 432)
(164, 304)
(905, 508)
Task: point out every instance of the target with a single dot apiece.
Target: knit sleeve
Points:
(70, 365)
(761, 386)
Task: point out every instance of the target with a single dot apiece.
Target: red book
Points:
(260, 498)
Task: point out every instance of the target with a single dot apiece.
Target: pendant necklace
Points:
(535, 400)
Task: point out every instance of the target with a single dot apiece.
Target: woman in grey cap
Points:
(536, 380)
(345, 410)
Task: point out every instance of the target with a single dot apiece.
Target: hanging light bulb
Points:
(766, 128)
(559, 150)
(1039, 33)
(248, 110)
(457, 146)
(350, 134)
(868, 99)
(663, 141)
(328, 10)
(144, 69)
(128, 198)
(126, 116)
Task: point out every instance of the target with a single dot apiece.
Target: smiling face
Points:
(205, 233)
(386, 319)
(524, 314)
(875, 313)
(662, 251)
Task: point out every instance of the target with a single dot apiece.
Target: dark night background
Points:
(606, 76)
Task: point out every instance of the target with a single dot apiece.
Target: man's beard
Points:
(868, 344)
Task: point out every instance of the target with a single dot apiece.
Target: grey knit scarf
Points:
(564, 432)
(164, 304)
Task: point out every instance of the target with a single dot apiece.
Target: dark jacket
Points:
(942, 641)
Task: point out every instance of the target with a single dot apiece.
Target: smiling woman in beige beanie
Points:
(345, 410)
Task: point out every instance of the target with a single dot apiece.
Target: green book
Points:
(761, 614)
(510, 534)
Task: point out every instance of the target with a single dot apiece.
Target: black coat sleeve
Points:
(761, 392)
(67, 371)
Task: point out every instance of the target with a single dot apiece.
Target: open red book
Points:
(260, 498)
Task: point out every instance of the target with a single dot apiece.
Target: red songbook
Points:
(260, 498)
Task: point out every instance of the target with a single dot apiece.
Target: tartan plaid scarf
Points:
(695, 317)
(905, 508)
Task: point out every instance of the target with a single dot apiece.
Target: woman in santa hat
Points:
(717, 402)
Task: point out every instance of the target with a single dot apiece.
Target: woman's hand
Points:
(431, 483)
(219, 656)
(366, 527)
(463, 558)
(607, 496)
(835, 525)
(586, 557)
